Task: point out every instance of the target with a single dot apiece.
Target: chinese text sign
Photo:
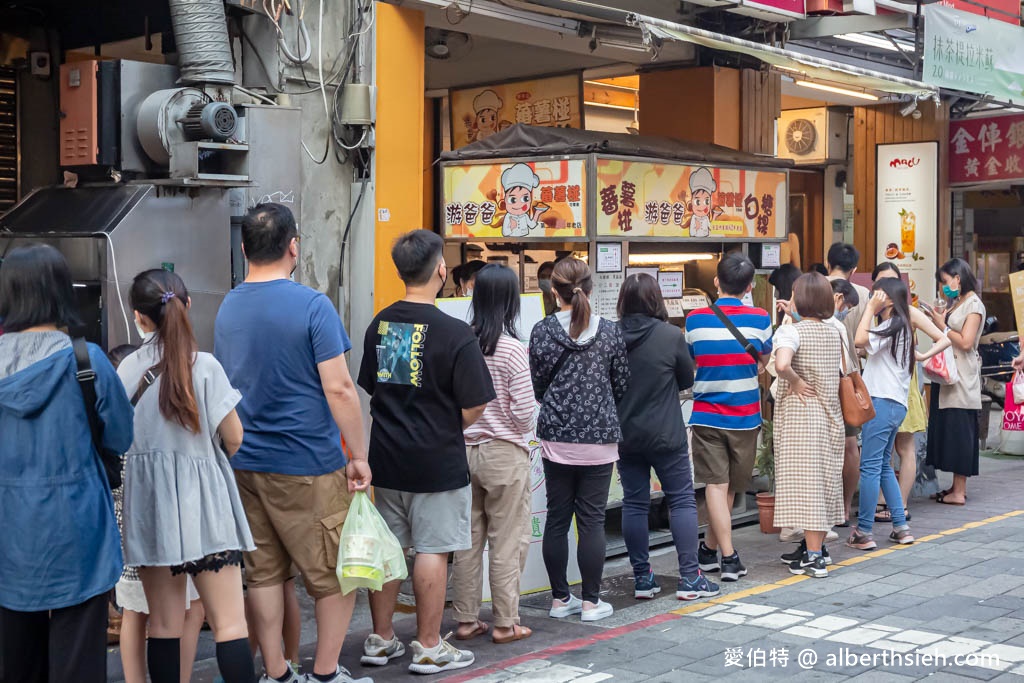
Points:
(478, 113)
(986, 149)
(972, 53)
(515, 200)
(644, 199)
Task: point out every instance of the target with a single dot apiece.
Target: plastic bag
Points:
(364, 542)
(1011, 437)
(941, 368)
(393, 555)
(1018, 387)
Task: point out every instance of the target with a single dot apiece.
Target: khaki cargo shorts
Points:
(724, 456)
(294, 519)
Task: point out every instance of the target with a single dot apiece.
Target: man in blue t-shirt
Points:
(283, 345)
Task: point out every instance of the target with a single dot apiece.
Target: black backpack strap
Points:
(86, 377)
(747, 345)
(146, 382)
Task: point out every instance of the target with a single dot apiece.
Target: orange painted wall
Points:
(698, 103)
(399, 135)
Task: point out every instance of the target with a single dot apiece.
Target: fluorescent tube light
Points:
(666, 259)
(609, 106)
(839, 91)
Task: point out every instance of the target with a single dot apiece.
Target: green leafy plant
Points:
(765, 457)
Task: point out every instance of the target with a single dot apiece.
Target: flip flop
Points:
(479, 629)
(885, 516)
(518, 633)
(942, 499)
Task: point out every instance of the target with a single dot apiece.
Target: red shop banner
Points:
(1003, 10)
(989, 149)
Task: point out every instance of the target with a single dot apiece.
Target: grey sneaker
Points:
(444, 657)
(342, 676)
(902, 536)
(293, 678)
(378, 652)
(861, 541)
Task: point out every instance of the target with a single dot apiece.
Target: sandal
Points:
(942, 499)
(479, 628)
(518, 633)
(885, 516)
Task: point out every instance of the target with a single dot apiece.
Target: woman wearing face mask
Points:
(544, 282)
(916, 419)
(953, 411)
(891, 356)
(182, 512)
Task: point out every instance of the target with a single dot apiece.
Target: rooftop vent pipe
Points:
(201, 33)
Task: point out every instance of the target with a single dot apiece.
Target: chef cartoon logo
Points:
(518, 183)
(702, 189)
(486, 120)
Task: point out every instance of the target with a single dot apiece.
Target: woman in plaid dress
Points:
(809, 435)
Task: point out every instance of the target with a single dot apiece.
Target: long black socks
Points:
(234, 658)
(164, 659)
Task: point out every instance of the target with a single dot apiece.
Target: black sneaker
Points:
(805, 565)
(789, 558)
(707, 558)
(732, 568)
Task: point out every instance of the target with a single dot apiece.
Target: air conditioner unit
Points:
(812, 136)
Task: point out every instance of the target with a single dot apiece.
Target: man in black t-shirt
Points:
(427, 381)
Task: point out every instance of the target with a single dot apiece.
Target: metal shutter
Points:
(8, 140)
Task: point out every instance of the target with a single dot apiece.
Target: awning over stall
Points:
(531, 141)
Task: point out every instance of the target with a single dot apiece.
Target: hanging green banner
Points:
(974, 54)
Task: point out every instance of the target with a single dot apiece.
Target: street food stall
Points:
(625, 203)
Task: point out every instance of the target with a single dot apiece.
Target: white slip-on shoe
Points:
(561, 609)
(601, 610)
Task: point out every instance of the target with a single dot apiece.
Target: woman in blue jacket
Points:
(61, 549)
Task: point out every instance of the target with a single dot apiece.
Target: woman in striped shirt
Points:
(499, 465)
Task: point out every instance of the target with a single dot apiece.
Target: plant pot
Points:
(766, 513)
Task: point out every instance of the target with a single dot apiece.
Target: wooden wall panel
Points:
(760, 104)
(882, 125)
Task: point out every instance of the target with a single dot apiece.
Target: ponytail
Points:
(162, 297)
(571, 279)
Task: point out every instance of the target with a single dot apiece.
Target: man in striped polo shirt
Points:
(726, 405)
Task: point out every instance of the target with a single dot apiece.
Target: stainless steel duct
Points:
(201, 33)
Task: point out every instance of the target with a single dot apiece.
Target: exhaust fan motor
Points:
(214, 120)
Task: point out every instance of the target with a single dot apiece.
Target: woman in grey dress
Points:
(182, 512)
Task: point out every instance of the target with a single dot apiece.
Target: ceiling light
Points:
(839, 91)
(608, 106)
(666, 259)
(622, 45)
(876, 41)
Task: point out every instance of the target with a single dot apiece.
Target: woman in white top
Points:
(891, 355)
(953, 409)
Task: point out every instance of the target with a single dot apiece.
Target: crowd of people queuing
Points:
(239, 465)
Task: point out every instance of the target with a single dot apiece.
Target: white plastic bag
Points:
(1018, 387)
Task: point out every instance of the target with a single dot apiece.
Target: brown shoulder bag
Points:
(853, 395)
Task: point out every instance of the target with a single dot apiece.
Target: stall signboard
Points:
(1003, 10)
(649, 199)
(515, 200)
(1017, 296)
(967, 52)
(986, 149)
(478, 113)
(907, 205)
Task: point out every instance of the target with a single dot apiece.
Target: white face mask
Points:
(138, 328)
(469, 292)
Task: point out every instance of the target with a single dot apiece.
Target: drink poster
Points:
(536, 199)
(478, 113)
(907, 209)
(645, 199)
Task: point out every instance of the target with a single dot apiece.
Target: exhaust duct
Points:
(201, 33)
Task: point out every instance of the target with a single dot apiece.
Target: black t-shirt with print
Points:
(421, 367)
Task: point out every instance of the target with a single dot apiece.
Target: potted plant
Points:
(765, 463)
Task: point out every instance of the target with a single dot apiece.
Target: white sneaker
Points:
(378, 652)
(443, 657)
(601, 610)
(342, 676)
(831, 536)
(791, 535)
(293, 678)
(561, 609)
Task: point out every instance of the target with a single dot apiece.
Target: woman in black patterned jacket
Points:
(580, 370)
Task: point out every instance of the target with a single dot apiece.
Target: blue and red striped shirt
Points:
(726, 394)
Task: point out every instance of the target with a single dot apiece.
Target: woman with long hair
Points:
(654, 437)
(917, 417)
(60, 547)
(891, 356)
(580, 370)
(499, 465)
(182, 512)
(953, 410)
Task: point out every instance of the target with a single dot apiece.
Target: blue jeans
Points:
(878, 438)
(673, 470)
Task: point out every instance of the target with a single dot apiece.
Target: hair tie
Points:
(577, 289)
(166, 296)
